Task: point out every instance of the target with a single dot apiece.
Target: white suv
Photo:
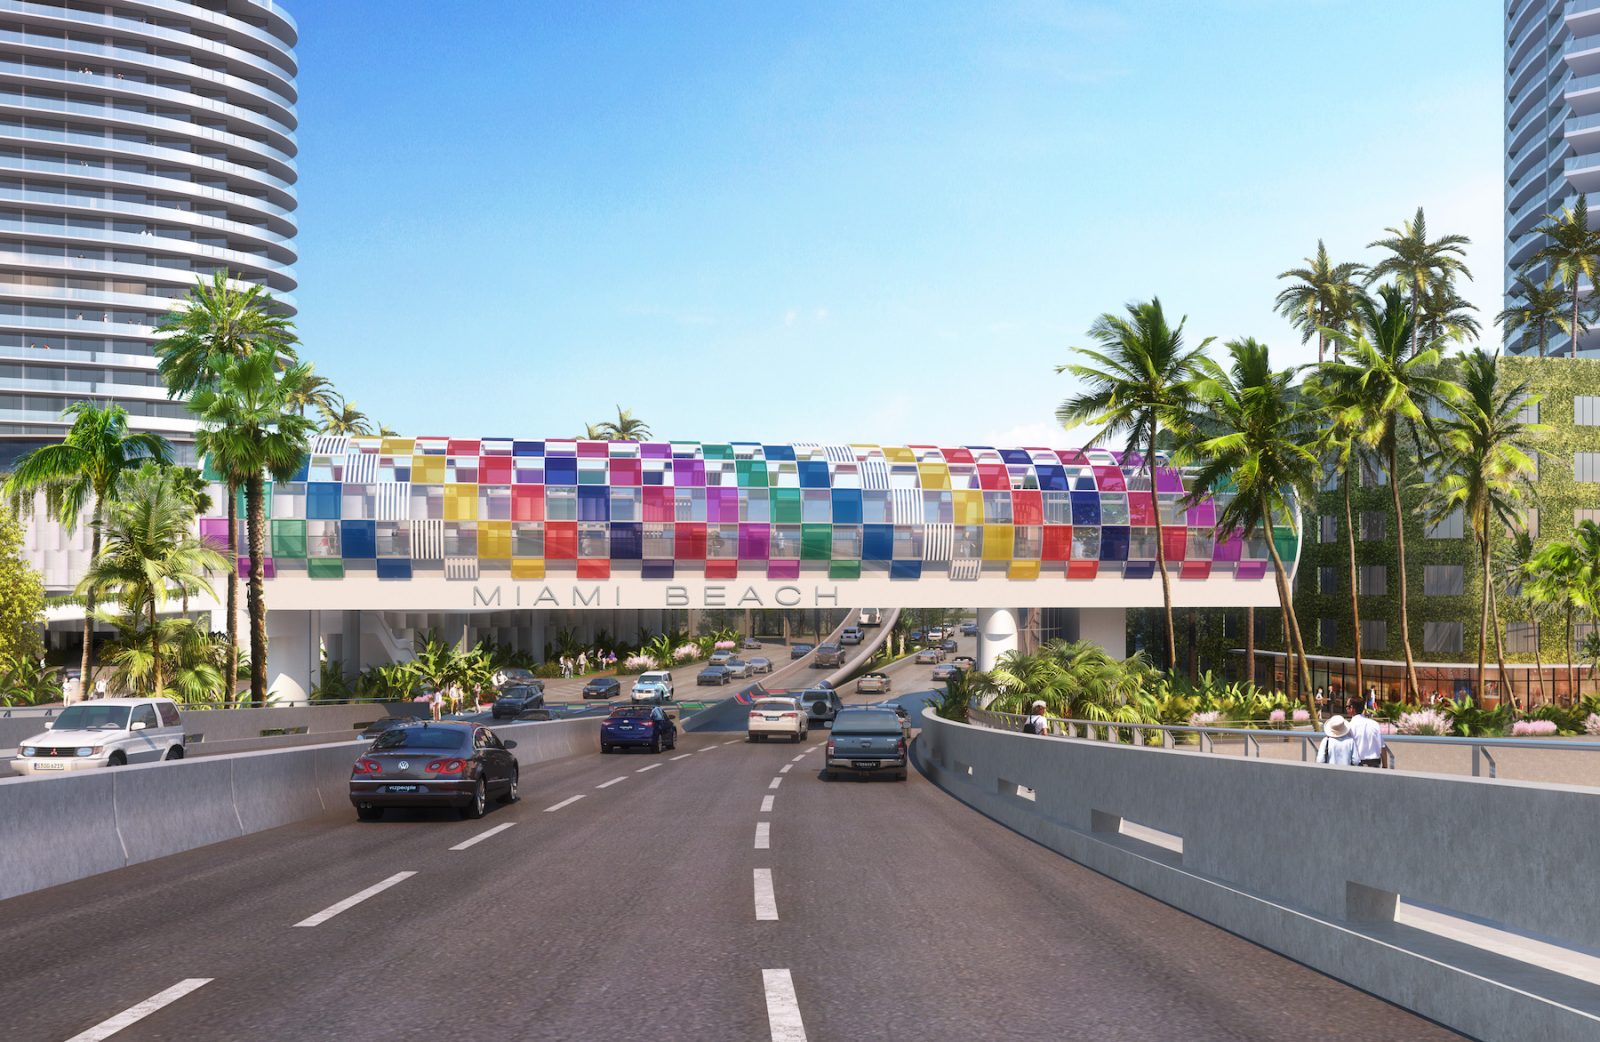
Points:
(655, 686)
(106, 732)
(780, 717)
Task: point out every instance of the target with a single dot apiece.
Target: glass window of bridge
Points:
(1085, 508)
(657, 544)
(1255, 548)
(463, 470)
(322, 539)
(1022, 477)
(394, 539)
(785, 543)
(786, 505)
(814, 474)
(847, 506)
(530, 471)
(561, 503)
(1085, 543)
(908, 542)
(816, 506)
(967, 544)
(903, 475)
(527, 539)
(963, 475)
(288, 499)
(593, 503)
(722, 542)
(1027, 542)
(1172, 513)
(784, 474)
(1057, 508)
(1142, 544)
(847, 542)
(494, 502)
(688, 504)
(847, 475)
(627, 504)
(997, 507)
(461, 502)
(755, 505)
(1201, 541)
(720, 472)
(322, 501)
(938, 508)
(460, 539)
(560, 470)
(427, 502)
(1113, 508)
(594, 540)
(876, 507)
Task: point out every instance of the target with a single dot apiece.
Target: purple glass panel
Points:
(1251, 569)
(722, 506)
(593, 449)
(268, 568)
(755, 542)
(688, 473)
(214, 530)
(656, 570)
(783, 569)
(1203, 514)
(655, 450)
(1228, 548)
(1138, 569)
(1168, 480)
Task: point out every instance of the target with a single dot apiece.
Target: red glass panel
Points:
(494, 470)
(1027, 507)
(1141, 512)
(658, 503)
(527, 502)
(722, 569)
(627, 472)
(594, 569)
(462, 447)
(1082, 569)
(993, 476)
(689, 541)
(561, 540)
(1174, 541)
(1057, 542)
(1196, 570)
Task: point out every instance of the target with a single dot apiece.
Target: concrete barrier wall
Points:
(225, 725)
(57, 829)
(1309, 861)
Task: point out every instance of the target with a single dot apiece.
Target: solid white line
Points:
(683, 756)
(350, 902)
(775, 783)
(480, 837)
(649, 768)
(134, 1014)
(569, 801)
(783, 1009)
(786, 768)
(763, 835)
(766, 901)
(613, 781)
(766, 804)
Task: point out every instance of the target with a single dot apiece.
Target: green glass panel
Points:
(816, 542)
(844, 570)
(209, 472)
(325, 568)
(1288, 545)
(289, 539)
(716, 452)
(752, 473)
(266, 501)
(786, 506)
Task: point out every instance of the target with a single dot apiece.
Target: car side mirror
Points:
(510, 744)
(137, 725)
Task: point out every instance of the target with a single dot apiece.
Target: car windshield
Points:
(92, 718)
(871, 721)
(631, 711)
(518, 691)
(423, 738)
(517, 674)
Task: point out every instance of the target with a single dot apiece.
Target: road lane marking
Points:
(682, 756)
(649, 768)
(613, 781)
(766, 804)
(355, 899)
(763, 835)
(766, 900)
(569, 801)
(736, 741)
(480, 837)
(134, 1014)
(797, 759)
(775, 783)
(786, 768)
(783, 1009)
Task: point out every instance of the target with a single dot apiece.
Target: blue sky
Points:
(848, 222)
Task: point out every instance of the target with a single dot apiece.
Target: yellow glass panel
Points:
(527, 568)
(1023, 570)
(461, 502)
(899, 454)
(427, 470)
(934, 475)
(494, 540)
(997, 542)
(398, 446)
(968, 507)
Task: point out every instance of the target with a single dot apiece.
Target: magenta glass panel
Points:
(627, 472)
(1251, 569)
(593, 449)
(688, 473)
(268, 568)
(1228, 548)
(722, 505)
(783, 569)
(658, 503)
(1109, 479)
(1203, 514)
(755, 542)
(1168, 480)
(655, 450)
(214, 530)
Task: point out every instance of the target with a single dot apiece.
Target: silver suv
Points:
(105, 732)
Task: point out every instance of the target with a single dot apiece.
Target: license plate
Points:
(863, 765)
(49, 766)
(772, 719)
(399, 788)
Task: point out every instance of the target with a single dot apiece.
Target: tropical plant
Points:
(1419, 264)
(21, 595)
(83, 472)
(333, 683)
(1573, 250)
(316, 393)
(1537, 306)
(1424, 721)
(345, 419)
(1258, 462)
(1324, 295)
(1137, 383)
(26, 681)
(1446, 315)
(248, 429)
(1076, 680)
(1386, 382)
(626, 427)
(1338, 445)
(1514, 570)
(173, 657)
(956, 699)
(394, 680)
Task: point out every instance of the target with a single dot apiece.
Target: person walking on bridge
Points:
(1037, 722)
(1338, 748)
(1368, 736)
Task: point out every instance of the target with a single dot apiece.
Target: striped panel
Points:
(329, 445)
(460, 567)
(360, 468)
(937, 542)
(965, 570)
(839, 453)
(907, 506)
(394, 501)
(875, 475)
(427, 540)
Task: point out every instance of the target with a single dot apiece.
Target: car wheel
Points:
(511, 790)
(750, 738)
(604, 748)
(369, 813)
(824, 775)
(118, 759)
(175, 753)
(479, 800)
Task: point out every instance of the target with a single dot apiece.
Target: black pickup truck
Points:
(866, 741)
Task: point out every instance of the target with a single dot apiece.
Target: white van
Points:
(870, 617)
(104, 732)
(654, 686)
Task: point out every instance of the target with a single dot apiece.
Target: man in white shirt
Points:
(1368, 736)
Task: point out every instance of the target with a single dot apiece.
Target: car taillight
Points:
(900, 747)
(790, 716)
(755, 713)
(368, 767)
(451, 766)
(830, 747)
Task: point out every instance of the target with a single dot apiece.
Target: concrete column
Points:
(293, 651)
(1107, 627)
(651, 619)
(997, 634)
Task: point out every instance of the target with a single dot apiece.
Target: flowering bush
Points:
(684, 652)
(724, 645)
(1425, 721)
(1591, 724)
(1533, 728)
(1205, 719)
(1277, 719)
(638, 663)
(1302, 716)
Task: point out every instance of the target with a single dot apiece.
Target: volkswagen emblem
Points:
(403, 765)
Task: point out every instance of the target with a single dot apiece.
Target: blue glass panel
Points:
(402, 473)
(814, 473)
(627, 541)
(527, 448)
(656, 569)
(322, 501)
(1015, 456)
(561, 470)
(359, 540)
(594, 503)
(1052, 478)
(905, 570)
(394, 568)
(304, 470)
(1114, 543)
(778, 451)
(1086, 508)
(847, 506)
(877, 543)
(1138, 569)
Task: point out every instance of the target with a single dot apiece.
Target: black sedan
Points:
(647, 726)
(377, 727)
(434, 765)
(602, 687)
(800, 650)
(514, 701)
(713, 676)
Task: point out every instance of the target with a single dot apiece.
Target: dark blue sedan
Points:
(714, 675)
(647, 726)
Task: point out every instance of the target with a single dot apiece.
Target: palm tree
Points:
(1514, 569)
(1446, 315)
(150, 553)
(1263, 452)
(596, 432)
(1138, 382)
(1568, 574)
(188, 658)
(1538, 307)
(86, 468)
(1573, 251)
(1482, 467)
(1324, 296)
(346, 420)
(1387, 385)
(315, 393)
(1339, 446)
(1418, 264)
(249, 427)
(626, 427)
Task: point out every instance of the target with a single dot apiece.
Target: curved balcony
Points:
(110, 147)
(281, 246)
(182, 278)
(210, 256)
(113, 179)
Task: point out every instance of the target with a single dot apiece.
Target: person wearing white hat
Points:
(1338, 748)
(1037, 722)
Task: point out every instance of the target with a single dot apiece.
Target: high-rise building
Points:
(143, 144)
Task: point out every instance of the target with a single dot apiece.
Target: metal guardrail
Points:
(1205, 737)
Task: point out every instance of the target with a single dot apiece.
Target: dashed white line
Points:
(736, 741)
(766, 901)
(350, 902)
(649, 768)
(797, 759)
(766, 804)
(569, 801)
(683, 756)
(775, 783)
(480, 837)
(613, 781)
(763, 835)
(786, 768)
(783, 1009)
(134, 1014)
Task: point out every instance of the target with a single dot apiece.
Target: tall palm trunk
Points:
(1483, 617)
(1544, 338)
(1250, 646)
(1572, 673)
(1161, 558)
(1414, 687)
(257, 591)
(1500, 647)
(86, 683)
(1292, 622)
(1355, 603)
(232, 690)
(1538, 658)
(155, 646)
(1574, 316)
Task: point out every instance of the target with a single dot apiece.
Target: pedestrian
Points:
(1037, 722)
(583, 663)
(1367, 735)
(436, 704)
(1322, 701)
(1338, 748)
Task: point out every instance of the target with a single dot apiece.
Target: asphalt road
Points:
(632, 911)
